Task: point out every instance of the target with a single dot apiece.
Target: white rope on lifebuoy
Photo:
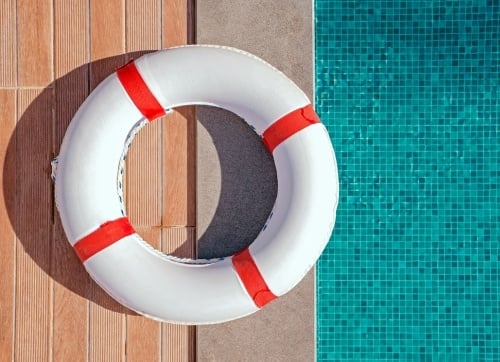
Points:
(188, 291)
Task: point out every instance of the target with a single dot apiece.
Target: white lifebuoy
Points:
(167, 288)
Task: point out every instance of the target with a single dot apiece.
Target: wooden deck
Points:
(52, 54)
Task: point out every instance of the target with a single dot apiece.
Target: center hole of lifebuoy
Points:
(237, 183)
(208, 175)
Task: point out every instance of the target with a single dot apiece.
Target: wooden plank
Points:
(179, 181)
(142, 25)
(143, 334)
(178, 22)
(179, 155)
(143, 171)
(33, 226)
(8, 44)
(143, 176)
(70, 29)
(107, 39)
(72, 286)
(45, 311)
(8, 239)
(178, 341)
(34, 41)
(70, 302)
(179, 132)
(140, 346)
(107, 28)
(179, 241)
(106, 328)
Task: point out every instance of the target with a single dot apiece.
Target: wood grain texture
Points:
(178, 342)
(143, 176)
(106, 328)
(52, 54)
(179, 241)
(70, 28)
(178, 19)
(33, 317)
(142, 25)
(70, 305)
(8, 239)
(107, 28)
(179, 181)
(107, 38)
(34, 42)
(143, 344)
(107, 322)
(179, 132)
(143, 335)
(8, 43)
(72, 286)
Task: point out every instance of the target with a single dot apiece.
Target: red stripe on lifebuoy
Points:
(106, 235)
(252, 279)
(288, 125)
(138, 91)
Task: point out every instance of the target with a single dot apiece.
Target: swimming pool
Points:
(409, 91)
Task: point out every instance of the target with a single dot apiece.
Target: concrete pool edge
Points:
(284, 330)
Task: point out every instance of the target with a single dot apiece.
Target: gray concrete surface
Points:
(237, 179)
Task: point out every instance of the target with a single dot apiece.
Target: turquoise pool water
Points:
(409, 91)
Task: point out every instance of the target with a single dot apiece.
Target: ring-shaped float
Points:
(196, 291)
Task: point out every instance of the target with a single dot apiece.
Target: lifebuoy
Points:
(200, 291)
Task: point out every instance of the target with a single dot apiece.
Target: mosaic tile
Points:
(409, 92)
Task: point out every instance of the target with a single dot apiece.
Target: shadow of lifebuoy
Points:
(248, 183)
(26, 175)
